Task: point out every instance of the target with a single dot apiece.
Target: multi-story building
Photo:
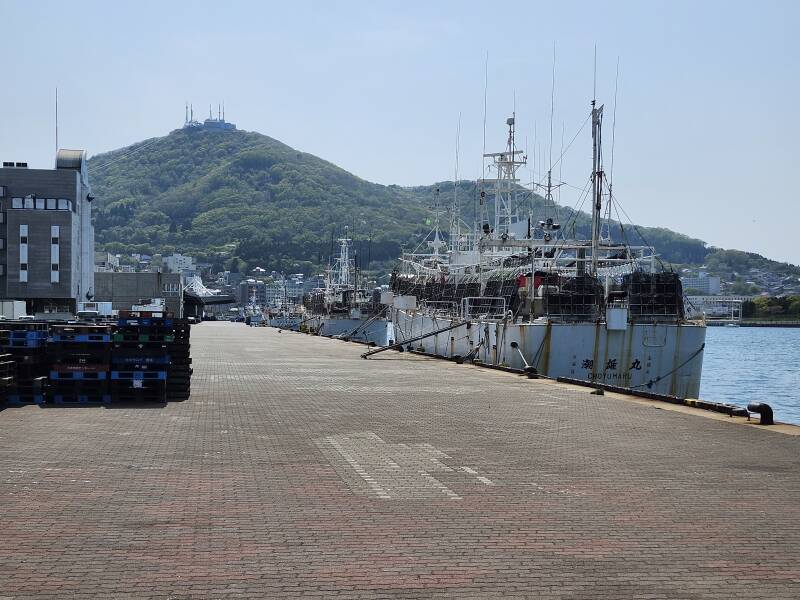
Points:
(125, 290)
(46, 234)
(105, 262)
(709, 285)
(179, 263)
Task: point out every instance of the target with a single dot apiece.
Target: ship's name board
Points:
(611, 369)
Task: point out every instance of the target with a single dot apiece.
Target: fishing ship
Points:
(343, 308)
(513, 291)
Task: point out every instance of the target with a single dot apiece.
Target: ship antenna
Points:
(483, 157)
(594, 84)
(613, 134)
(186, 115)
(455, 212)
(56, 120)
(597, 173)
(552, 105)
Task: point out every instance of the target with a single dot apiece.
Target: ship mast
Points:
(597, 181)
(506, 165)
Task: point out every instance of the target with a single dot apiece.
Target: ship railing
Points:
(440, 308)
(483, 307)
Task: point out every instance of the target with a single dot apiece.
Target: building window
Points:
(17, 203)
(23, 266)
(63, 204)
(54, 241)
(28, 202)
(54, 267)
(52, 204)
(23, 239)
(40, 204)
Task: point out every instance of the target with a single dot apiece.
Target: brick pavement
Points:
(297, 469)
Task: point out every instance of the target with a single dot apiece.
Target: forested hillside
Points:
(240, 199)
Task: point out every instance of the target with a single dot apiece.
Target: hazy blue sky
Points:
(707, 128)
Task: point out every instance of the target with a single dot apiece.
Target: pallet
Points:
(79, 375)
(24, 399)
(67, 399)
(140, 314)
(127, 375)
(142, 337)
(84, 338)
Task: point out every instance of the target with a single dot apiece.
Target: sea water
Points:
(761, 364)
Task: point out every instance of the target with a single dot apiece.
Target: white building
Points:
(178, 263)
(708, 284)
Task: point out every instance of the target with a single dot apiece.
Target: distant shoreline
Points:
(756, 323)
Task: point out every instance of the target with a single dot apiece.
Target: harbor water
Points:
(745, 364)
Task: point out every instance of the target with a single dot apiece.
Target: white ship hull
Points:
(658, 358)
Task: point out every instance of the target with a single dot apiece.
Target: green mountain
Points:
(239, 200)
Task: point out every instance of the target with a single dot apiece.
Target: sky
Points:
(705, 129)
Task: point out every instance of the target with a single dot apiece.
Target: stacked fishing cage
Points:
(179, 369)
(80, 357)
(579, 298)
(25, 342)
(654, 297)
(139, 357)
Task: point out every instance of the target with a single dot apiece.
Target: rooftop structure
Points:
(218, 124)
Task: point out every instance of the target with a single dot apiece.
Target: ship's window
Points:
(63, 204)
(28, 202)
(16, 203)
(51, 204)
(40, 204)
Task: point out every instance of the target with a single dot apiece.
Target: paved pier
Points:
(297, 469)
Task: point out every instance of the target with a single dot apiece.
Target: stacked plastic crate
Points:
(139, 357)
(179, 372)
(80, 358)
(26, 342)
